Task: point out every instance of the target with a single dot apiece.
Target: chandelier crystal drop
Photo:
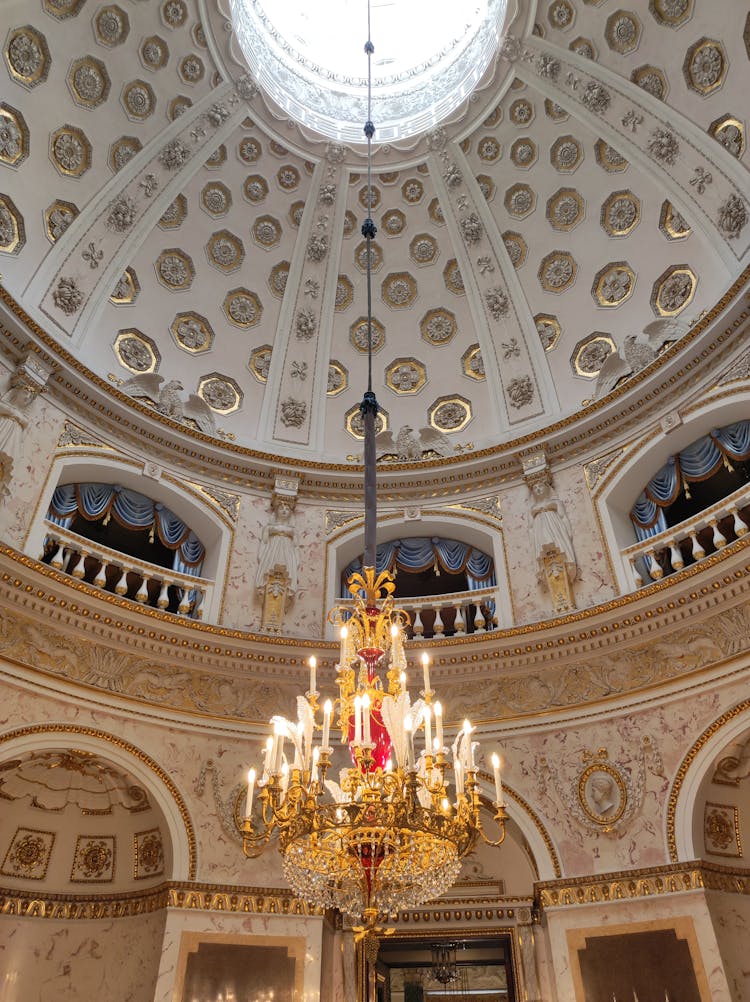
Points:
(388, 833)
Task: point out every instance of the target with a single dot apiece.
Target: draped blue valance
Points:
(419, 553)
(99, 502)
(698, 461)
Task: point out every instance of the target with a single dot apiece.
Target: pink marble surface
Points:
(50, 960)
(730, 914)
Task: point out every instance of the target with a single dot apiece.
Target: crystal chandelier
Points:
(391, 831)
(444, 968)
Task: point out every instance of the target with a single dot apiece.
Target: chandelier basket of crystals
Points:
(391, 831)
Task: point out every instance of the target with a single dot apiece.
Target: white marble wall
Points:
(730, 914)
(50, 960)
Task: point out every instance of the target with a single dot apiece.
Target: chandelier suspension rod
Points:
(369, 406)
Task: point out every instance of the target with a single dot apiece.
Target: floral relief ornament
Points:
(306, 324)
(733, 216)
(472, 228)
(293, 412)
(121, 214)
(174, 155)
(497, 303)
(67, 296)
(663, 146)
(520, 391)
(596, 97)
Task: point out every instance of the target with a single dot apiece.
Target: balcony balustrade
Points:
(453, 615)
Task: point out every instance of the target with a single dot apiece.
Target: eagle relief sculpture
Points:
(165, 398)
(410, 446)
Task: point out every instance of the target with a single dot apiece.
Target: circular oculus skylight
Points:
(309, 57)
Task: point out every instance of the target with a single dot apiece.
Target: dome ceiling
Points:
(160, 215)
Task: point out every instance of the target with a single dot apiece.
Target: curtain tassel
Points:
(107, 518)
(151, 534)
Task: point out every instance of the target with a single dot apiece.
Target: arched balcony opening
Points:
(447, 586)
(125, 542)
(694, 505)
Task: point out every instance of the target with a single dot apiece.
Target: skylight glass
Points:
(309, 57)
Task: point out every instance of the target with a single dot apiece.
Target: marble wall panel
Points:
(730, 914)
(66, 961)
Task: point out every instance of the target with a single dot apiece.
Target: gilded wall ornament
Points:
(590, 354)
(277, 279)
(520, 391)
(423, 249)
(94, 861)
(127, 289)
(519, 200)
(12, 229)
(148, 854)
(375, 255)
(453, 279)
(521, 111)
(623, 31)
(288, 177)
(255, 188)
(435, 212)
(554, 111)
(154, 52)
(472, 363)
(138, 99)
(70, 150)
(88, 82)
(705, 66)
(174, 269)
(296, 209)
(565, 209)
(354, 424)
(548, 329)
(338, 378)
(249, 150)
(225, 251)
(448, 414)
(369, 197)
(344, 294)
(216, 198)
(260, 362)
(523, 152)
(393, 222)
(242, 308)
(62, 9)
(191, 68)
(673, 290)
(560, 14)
(487, 186)
(277, 149)
(412, 191)
(28, 854)
(721, 830)
(557, 272)
(516, 247)
(67, 296)
(438, 326)
(358, 335)
(14, 136)
(652, 80)
(566, 154)
(221, 393)
(405, 375)
(613, 284)
(122, 151)
(27, 56)
(178, 106)
(175, 213)
(136, 351)
(672, 13)
(583, 47)
(57, 218)
(350, 223)
(729, 132)
(732, 216)
(399, 290)
(192, 332)
(489, 149)
(620, 213)
(608, 158)
(218, 158)
(266, 232)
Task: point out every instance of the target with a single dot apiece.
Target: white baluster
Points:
(184, 607)
(122, 585)
(479, 621)
(459, 624)
(637, 576)
(142, 594)
(675, 556)
(439, 627)
(198, 607)
(719, 540)
(59, 558)
(697, 550)
(418, 625)
(653, 567)
(76, 566)
(740, 526)
(101, 575)
(163, 599)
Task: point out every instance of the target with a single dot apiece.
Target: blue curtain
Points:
(419, 553)
(97, 502)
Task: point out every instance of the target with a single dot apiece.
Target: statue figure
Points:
(552, 536)
(278, 563)
(26, 384)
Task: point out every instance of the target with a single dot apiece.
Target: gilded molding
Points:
(652, 882)
(131, 749)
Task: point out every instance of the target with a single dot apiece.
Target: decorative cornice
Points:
(624, 885)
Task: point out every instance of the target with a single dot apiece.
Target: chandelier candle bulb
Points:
(366, 718)
(403, 681)
(498, 779)
(357, 720)
(250, 793)
(426, 672)
(427, 716)
(314, 770)
(267, 758)
(438, 710)
(327, 711)
(313, 662)
(284, 779)
(297, 764)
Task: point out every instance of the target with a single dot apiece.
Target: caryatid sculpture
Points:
(551, 533)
